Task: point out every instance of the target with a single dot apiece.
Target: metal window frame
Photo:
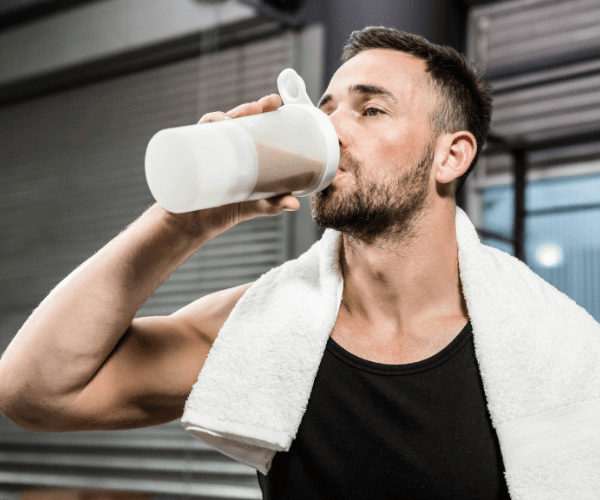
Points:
(516, 77)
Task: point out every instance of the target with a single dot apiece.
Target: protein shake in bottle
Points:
(293, 150)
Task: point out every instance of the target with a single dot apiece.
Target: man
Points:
(411, 118)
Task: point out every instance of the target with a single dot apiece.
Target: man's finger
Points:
(215, 116)
(250, 108)
(270, 102)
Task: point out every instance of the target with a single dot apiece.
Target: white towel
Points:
(537, 350)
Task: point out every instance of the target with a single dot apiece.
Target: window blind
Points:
(542, 58)
(71, 178)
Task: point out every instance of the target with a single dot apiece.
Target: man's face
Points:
(387, 154)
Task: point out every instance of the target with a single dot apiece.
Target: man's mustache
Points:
(348, 162)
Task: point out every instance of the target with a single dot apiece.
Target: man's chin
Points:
(323, 214)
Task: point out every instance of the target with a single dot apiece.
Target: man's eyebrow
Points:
(361, 89)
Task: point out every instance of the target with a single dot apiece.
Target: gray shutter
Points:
(71, 177)
(542, 58)
(518, 36)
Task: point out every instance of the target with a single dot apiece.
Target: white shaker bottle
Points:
(292, 150)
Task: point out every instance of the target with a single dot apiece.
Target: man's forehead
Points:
(377, 57)
(392, 71)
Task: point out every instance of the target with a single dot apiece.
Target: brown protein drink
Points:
(282, 171)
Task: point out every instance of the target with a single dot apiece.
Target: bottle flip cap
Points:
(292, 90)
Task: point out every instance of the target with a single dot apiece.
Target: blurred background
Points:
(84, 84)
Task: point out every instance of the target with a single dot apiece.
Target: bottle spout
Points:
(292, 88)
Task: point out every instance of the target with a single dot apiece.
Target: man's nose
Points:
(340, 124)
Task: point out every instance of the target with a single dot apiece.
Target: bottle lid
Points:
(292, 90)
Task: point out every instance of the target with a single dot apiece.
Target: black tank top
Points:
(418, 431)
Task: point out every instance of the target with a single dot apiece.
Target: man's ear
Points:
(456, 152)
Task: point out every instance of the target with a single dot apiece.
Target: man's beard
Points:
(384, 212)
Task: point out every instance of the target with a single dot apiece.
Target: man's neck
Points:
(393, 292)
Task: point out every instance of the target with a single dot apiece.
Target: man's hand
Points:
(222, 218)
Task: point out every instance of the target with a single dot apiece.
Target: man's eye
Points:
(373, 109)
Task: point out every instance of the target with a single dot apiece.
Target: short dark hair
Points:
(465, 97)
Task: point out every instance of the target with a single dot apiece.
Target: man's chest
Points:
(372, 344)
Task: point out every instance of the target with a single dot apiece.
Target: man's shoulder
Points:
(208, 314)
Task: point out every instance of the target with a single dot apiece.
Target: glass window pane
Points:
(563, 192)
(564, 248)
(498, 210)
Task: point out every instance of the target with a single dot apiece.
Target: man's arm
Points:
(147, 377)
(81, 360)
(85, 327)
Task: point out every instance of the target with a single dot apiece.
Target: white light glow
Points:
(549, 254)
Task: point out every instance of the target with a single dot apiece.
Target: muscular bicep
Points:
(150, 373)
(145, 381)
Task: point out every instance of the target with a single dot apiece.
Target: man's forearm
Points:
(70, 334)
